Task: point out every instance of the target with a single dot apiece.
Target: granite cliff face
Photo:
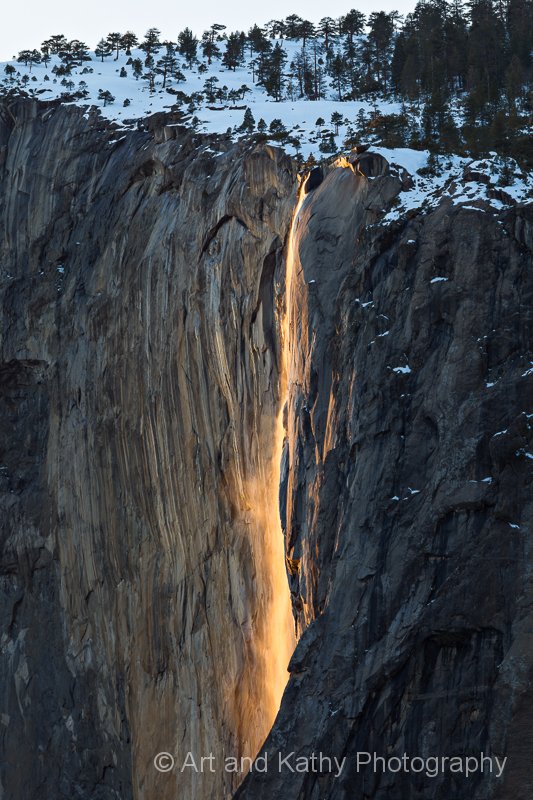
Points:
(141, 378)
(139, 392)
(407, 495)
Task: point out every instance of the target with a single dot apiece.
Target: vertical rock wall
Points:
(138, 394)
(408, 500)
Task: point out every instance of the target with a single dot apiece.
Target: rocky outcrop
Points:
(371, 165)
(407, 496)
(139, 288)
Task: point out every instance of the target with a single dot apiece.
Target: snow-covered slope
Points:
(479, 185)
(299, 117)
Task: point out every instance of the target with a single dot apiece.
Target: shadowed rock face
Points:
(138, 393)
(407, 493)
(313, 180)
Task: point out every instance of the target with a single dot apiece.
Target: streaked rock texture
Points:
(138, 393)
(140, 301)
(407, 492)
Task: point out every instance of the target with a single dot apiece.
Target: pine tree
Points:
(302, 67)
(352, 24)
(83, 90)
(379, 44)
(115, 42)
(151, 43)
(29, 57)
(486, 47)
(327, 144)
(361, 124)
(433, 117)
(248, 123)
(326, 28)
(272, 79)
(55, 44)
(351, 61)
(106, 96)
(45, 53)
(337, 70)
(149, 75)
(449, 139)
(129, 40)
(336, 120)
(137, 68)
(102, 49)
(210, 49)
(259, 45)
(277, 130)
(188, 45)
(293, 25)
(233, 54)
(210, 89)
(217, 31)
(77, 53)
(257, 40)
(432, 46)
(456, 35)
(276, 28)
(514, 81)
(306, 31)
(519, 20)
(167, 63)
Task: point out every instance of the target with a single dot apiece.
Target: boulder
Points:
(371, 165)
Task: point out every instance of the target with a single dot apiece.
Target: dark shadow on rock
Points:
(314, 179)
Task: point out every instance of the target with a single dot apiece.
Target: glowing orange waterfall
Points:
(276, 639)
(286, 321)
(284, 639)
